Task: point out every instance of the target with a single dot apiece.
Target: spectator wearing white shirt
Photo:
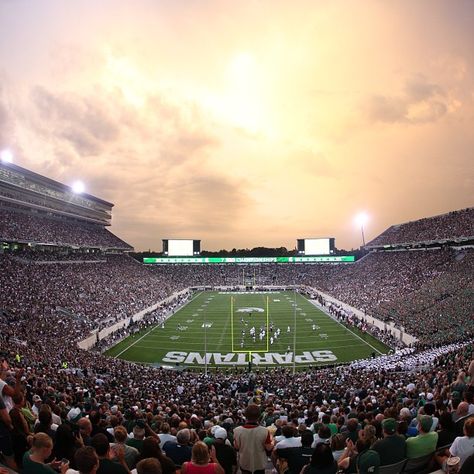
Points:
(289, 439)
(463, 446)
(165, 435)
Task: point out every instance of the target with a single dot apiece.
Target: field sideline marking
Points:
(226, 324)
(346, 328)
(152, 329)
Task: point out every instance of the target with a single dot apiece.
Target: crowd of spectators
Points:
(451, 226)
(53, 255)
(90, 294)
(348, 318)
(58, 401)
(28, 227)
(113, 401)
(153, 318)
(427, 293)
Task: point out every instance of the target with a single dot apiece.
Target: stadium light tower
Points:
(362, 219)
(6, 156)
(78, 187)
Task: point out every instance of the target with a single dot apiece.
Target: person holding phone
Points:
(34, 461)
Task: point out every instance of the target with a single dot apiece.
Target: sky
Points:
(249, 123)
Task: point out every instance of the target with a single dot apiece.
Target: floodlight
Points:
(78, 187)
(6, 156)
(361, 219)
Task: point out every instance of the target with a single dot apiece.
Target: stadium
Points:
(90, 333)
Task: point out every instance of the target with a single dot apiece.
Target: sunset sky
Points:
(245, 123)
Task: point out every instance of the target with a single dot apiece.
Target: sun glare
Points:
(242, 66)
(242, 101)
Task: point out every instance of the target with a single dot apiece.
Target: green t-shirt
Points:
(33, 467)
(421, 445)
(29, 417)
(333, 428)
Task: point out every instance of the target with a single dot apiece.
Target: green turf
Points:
(328, 343)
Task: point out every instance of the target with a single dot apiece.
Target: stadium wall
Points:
(406, 338)
(90, 341)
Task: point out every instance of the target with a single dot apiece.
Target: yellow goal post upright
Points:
(266, 331)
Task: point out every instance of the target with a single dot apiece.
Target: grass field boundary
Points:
(315, 332)
(345, 327)
(135, 342)
(153, 328)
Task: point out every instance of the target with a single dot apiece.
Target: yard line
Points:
(152, 329)
(227, 321)
(138, 340)
(356, 335)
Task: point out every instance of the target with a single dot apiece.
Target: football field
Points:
(228, 329)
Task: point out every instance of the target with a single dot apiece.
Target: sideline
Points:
(154, 327)
(323, 309)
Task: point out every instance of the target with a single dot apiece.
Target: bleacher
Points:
(452, 227)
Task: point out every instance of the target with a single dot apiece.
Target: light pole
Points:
(294, 330)
(361, 219)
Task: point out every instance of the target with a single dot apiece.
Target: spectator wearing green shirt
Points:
(333, 425)
(425, 442)
(41, 449)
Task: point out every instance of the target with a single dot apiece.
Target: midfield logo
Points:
(250, 310)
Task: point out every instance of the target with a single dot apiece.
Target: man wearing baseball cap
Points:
(225, 453)
(392, 448)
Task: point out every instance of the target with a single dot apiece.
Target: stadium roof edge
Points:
(370, 246)
(63, 187)
(430, 217)
(456, 240)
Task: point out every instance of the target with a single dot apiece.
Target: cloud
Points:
(151, 160)
(418, 88)
(203, 206)
(6, 120)
(315, 163)
(421, 102)
(85, 123)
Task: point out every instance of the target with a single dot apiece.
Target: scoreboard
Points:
(181, 247)
(320, 246)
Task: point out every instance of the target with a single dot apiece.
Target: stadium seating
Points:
(51, 300)
(453, 226)
(395, 468)
(41, 229)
